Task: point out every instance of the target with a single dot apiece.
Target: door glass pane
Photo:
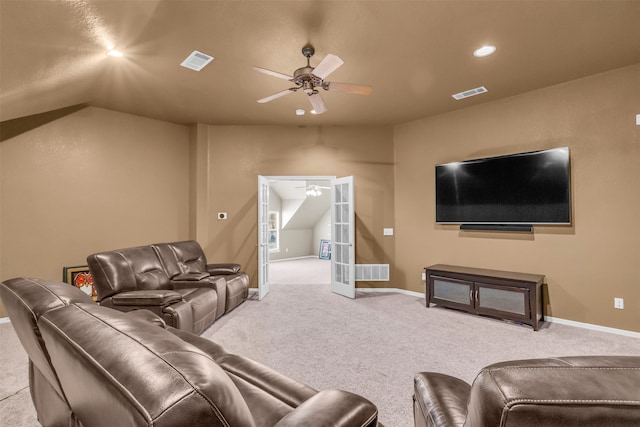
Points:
(345, 193)
(452, 291)
(499, 299)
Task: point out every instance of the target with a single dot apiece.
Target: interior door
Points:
(263, 237)
(343, 237)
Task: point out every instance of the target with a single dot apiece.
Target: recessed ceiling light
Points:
(484, 51)
(114, 52)
(299, 112)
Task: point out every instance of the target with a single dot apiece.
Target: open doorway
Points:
(342, 242)
(299, 223)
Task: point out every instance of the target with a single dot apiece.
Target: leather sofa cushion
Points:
(158, 297)
(118, 370)
(560, 392)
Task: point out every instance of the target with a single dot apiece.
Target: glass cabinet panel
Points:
(509, 300)
(453, 291)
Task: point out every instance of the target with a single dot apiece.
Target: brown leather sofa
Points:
(186, 258)
(170, 279)
(555, 392)
(95, 366)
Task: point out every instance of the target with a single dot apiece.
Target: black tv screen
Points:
(525, 188)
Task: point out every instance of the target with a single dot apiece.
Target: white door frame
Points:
(263, 256)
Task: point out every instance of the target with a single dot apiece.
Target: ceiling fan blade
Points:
(328, 65)
(348, 88)
(318, 104)
(273, 73)
(276, 96)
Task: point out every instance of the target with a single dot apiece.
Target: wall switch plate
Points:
(222, 215)
(388, 231)
(618, 303)
(637, 119)
(424, 276)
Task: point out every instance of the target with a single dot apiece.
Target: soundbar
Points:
(522, 228)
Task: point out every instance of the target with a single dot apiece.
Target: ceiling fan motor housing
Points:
(303, 78)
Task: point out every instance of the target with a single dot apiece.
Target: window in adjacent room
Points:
(274, 231)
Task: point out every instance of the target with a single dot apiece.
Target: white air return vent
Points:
(197, 60)
(372, 272)
(470, 92)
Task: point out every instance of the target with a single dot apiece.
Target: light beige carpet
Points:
(372, 345)
(300, 271)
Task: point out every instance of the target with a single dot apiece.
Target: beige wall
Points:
(93, 180)
(98, 179)
(238, 154)
(587, 264)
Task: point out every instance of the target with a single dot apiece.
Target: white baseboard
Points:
(394, 290)
(592, 326)
(293, 259)
(546, 318)
(421, 295)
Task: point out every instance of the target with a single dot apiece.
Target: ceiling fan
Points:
(314, 190)
(309, 79)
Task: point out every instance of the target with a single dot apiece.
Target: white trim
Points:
(5, 320)
(546, 318)
(396, 290)
(592, 326)
(294, 258)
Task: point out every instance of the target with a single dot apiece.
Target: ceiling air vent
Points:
(197, 60)
(470, 92)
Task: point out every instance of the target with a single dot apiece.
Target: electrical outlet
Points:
(424, 276)
(618, 303)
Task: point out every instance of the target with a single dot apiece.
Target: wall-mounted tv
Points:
(517, 189)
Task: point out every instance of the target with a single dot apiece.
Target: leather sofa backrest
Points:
(586, 391)
(127, 372)
(130, 269)
(182, 257)
(26, 300)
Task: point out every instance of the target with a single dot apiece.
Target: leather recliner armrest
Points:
(148, 316)
(187, 277)
(159, 297)
(223, 269)
(333, 408)
(441, 400)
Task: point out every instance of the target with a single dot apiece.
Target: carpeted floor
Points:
(372, 345)
(300, 271)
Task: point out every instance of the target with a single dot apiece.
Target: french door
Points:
(342, 234)
(263, 237)
(343, 237)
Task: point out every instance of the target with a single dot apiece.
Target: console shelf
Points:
(502, 294)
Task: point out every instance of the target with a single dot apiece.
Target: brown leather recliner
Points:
(554, 392)
(187, 259)
(110, 368)
(135, 278)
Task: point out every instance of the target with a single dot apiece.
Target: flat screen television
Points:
(517, 189)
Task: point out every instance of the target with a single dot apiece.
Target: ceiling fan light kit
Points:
(309, 79)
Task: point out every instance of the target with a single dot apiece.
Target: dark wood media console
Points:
(502, 294)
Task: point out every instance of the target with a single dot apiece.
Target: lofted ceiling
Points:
(415, 55)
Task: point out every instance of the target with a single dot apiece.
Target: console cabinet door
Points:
(453, 293)
(508, 302)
